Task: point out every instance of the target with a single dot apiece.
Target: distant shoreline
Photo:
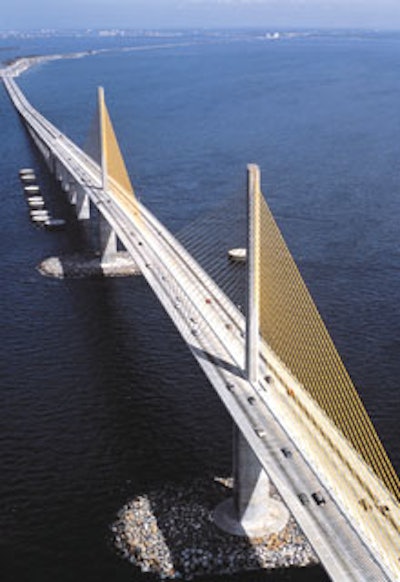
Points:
(17, 66)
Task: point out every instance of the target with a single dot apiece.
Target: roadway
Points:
(214, 328)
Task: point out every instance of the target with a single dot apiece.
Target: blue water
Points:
(99, 397)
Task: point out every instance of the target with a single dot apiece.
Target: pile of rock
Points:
(170, 532)
(87, 265)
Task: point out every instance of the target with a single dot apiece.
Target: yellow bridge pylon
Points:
(102, 145)
(322, 395)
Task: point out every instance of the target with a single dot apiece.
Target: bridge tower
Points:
(102, 147)
(251, 512)
(107, 236)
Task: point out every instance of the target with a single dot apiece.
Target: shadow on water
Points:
(235, 370)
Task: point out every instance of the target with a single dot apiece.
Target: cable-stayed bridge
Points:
(298, 416)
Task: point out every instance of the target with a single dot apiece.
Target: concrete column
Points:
(50, 162)
(82, 205)
(107, 240)
(251, 512)
(58, 170)
(253, 276)
(53, 164)
(65, 184)
(63, 177)
(72, 194)
(103, 143)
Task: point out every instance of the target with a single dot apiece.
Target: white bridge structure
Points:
(347, 506)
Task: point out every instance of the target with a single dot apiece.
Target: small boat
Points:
(55, 223)
(237, 255)
(26, 171)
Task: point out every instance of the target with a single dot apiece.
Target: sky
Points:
(278, 14)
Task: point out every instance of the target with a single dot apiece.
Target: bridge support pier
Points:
(71, 193)
(66, 185)
(251, 512)
(82, 204)
(108, 240)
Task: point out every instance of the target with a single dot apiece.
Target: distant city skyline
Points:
(66, 14)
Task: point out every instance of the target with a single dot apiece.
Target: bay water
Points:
(100, 399)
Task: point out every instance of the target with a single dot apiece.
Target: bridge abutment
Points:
(251, 512)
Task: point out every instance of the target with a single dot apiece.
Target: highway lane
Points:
(213, 328)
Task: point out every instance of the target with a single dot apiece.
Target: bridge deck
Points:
(213, 328)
